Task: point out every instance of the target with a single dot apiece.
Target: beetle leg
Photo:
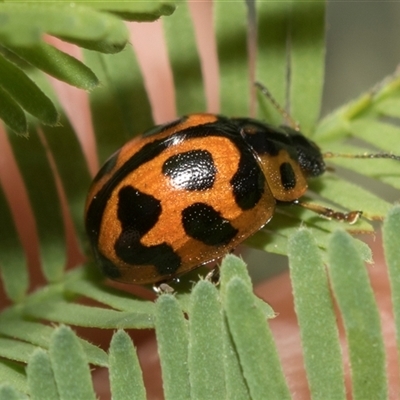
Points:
(351, 217)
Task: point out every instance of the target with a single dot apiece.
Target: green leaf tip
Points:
(70, 365)
(206, 366)
(355, 297)
(58, 64)
(41, 380)
(317, 320)
(232, 266)
(125, 374)
(140, 11)
(173, 342)
(254, 343)
(121, 341)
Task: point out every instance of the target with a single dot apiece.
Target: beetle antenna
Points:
(364, 155)
(295, 125)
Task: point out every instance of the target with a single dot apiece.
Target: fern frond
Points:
(91, 25)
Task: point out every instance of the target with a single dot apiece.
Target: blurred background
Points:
(363, 46)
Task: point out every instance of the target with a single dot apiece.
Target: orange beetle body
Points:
(188, 192)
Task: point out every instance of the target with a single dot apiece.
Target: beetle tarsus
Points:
(350, 217)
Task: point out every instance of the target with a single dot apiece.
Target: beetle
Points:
(185, 193)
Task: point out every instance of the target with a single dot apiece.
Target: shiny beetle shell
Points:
(188, 192)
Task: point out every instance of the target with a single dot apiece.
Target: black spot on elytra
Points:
(203, 223)
(223, 127)
(191, 170)
(288, 176)
(138, 213)
(248, 182)
(98, 203)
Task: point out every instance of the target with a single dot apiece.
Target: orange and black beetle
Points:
(188, 192)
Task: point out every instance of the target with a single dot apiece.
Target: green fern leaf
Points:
(125, 375)
(91, 25)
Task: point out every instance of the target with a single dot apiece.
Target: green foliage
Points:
(40, 376)
(15, 279)
(196, 354)
(125, 374)
(319, 334)
(360, 316)
(392, 253)
(91, 25)
(213, 342)
(254, 344)
(172, 340)
(70, 368)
